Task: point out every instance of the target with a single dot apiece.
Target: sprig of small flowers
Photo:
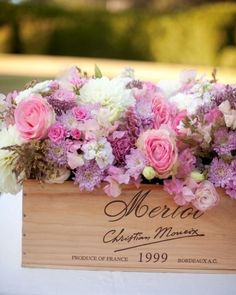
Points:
(96, 130)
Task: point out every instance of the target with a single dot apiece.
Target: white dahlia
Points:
(8, 182)
(111, 94)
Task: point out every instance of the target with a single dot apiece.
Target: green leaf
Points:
(98, 73)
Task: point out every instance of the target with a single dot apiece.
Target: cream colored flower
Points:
(110, 94)
(59, 176)
(8, 182)
(41, 87)
(229, 114)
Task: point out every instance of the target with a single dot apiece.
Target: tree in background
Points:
(160, 5)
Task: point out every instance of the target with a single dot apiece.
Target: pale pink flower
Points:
(162, 111)
(113, 188)
(115, 178)
(186, 162)
(182, 191)
(76, 133)
(56, 132)
(176, 121)
(206, 196)
(185, 197)
(212, 115)
(33, 117)
(75, 160)
(80, 113)
(187, 78)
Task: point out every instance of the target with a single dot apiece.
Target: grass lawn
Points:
(10, 83)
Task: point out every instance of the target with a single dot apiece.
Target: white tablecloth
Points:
(15, 280)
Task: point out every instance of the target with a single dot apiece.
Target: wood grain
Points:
(142, 230)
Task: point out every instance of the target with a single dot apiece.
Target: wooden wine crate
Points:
(142, 230)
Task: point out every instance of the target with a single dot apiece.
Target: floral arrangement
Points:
(100, 131)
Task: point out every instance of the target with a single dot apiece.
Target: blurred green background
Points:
(171, 31)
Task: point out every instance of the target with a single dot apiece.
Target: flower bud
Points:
(149, 173)
(197, 176)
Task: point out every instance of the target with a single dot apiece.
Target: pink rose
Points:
(80, 113)
(160, 149)
(33, 117)
(206, 196)
(56, 132)
(75, 133)
(162, 111)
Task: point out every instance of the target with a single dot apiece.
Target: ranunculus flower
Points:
(76, 133)
(206, 196)
(33, 117)
(80, 113)
(56, 132)
(161, 110)
(160, 149)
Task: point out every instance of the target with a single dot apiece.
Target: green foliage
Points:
(201, 35)
(97, 72)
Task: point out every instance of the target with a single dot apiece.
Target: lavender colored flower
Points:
(220, 172)
(75, 78)
(224, 93)
(135, 84)
(144, 106)
(57, 152)
(187, 162)
(68, 120)
(231, 186)
(121, 144)
(224, 141)
(62, 100)
(88, 176)
(135, 163)
(56, 133)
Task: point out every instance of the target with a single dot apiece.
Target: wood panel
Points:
(142, 230)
